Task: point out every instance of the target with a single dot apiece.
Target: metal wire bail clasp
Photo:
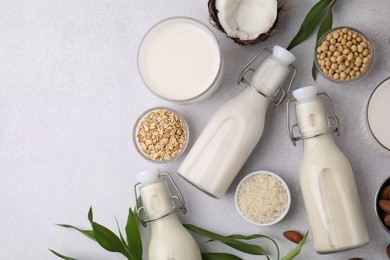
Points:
(281, 92)
(140, 210)
(332, 127)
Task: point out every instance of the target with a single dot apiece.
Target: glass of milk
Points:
(376, 122)
(180, 61)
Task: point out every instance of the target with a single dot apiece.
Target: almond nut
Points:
(386, 220)
(293, 236)
(385, 205)
(385, 194)
(388, 250)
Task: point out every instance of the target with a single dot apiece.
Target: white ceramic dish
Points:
(137, 128)
(376, 117)
(284, 186)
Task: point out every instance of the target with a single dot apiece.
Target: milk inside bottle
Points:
(234, 130)
(169, 239)
(327, 181)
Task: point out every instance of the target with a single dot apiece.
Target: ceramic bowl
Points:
(253, 220)
(346, 62)
(161, 131)
(375, 123)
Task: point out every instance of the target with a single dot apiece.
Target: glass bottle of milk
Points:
(233, 132)
(326, 177)
(169, 240)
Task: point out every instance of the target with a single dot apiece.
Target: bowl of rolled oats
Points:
(160, 134)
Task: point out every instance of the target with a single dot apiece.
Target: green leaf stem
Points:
(90, 215)
(254, 236)
(325, 26)
(108, 240)
(124, 244)
(87, 233)
(293, 253)
(62, 256)
(219, 256)
(309, 23)
(133, 236)
(238, 245)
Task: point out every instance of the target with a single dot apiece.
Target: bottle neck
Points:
(254, 99)
(168, 222)
(319, 141)
(156, 198)
(311, 116)
(158, 205)
(269, 77)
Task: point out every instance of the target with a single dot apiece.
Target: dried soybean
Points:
(344, 54)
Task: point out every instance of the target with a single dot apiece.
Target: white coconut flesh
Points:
(246, 19)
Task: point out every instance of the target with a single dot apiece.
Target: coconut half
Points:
(246, 21)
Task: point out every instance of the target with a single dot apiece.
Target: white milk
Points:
(180, 60)
(378, 106)
(169, 240)
(233, 132)
(327, 183)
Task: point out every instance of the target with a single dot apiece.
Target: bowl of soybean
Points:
(344, 55)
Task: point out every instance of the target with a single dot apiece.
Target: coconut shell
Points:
(213, 12)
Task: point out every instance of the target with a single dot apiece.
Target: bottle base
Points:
(342, 249)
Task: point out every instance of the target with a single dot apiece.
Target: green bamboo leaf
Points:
(125, 246)
(107, 239)
(254, 236)
(241, 246)
(87, 233)
(309, 23)
(90, 215)
(133, 236)
(314, 70)
(325, 26)
(62, 256)
(293, 253)
(327, 23)
(219, 256)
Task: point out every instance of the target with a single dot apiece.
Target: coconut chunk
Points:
(246, 19)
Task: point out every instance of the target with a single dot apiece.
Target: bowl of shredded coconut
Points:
(262, 198)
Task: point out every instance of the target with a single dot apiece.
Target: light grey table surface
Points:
(70, 93)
